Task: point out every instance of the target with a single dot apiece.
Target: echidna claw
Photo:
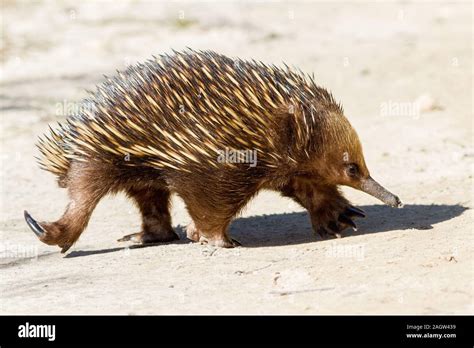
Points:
(348, 221)
(65, 248)
(322, 232)
(333, 226)
(34, 225)
(353, 211)
(357, 209)
(236, 243)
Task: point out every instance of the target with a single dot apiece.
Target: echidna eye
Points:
(352, 170)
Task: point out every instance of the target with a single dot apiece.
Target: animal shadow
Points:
(295, 228)
(78, 253)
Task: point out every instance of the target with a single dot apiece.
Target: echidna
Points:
(162, 127)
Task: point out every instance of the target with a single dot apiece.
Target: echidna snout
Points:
(373, 188)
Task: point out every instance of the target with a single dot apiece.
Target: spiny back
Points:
(178, 111)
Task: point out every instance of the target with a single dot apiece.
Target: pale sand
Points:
(418, 259)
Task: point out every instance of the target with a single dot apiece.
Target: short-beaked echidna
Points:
(213, 130)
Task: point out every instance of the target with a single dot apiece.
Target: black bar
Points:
(209, 330)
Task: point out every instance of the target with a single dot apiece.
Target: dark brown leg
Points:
(329, 211)
(156, 219)
(85, 191)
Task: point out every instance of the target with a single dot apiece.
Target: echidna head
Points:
(345, 163)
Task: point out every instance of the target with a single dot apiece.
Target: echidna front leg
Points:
(329, 211)
(156, 219)
(333, 214)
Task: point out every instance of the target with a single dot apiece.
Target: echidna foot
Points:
(220, 242)
(51, 233)
(192, 232)
(331, 225)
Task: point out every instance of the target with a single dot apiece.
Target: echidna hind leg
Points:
(85, 192)
(215, 236)
(213, 205)
(156, 219)
(209, 228)
(196, 235)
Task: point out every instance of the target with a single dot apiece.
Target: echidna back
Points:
(178, 111)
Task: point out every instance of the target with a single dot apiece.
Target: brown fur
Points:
(304, 145)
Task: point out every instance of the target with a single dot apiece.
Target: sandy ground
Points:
(403, 71)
